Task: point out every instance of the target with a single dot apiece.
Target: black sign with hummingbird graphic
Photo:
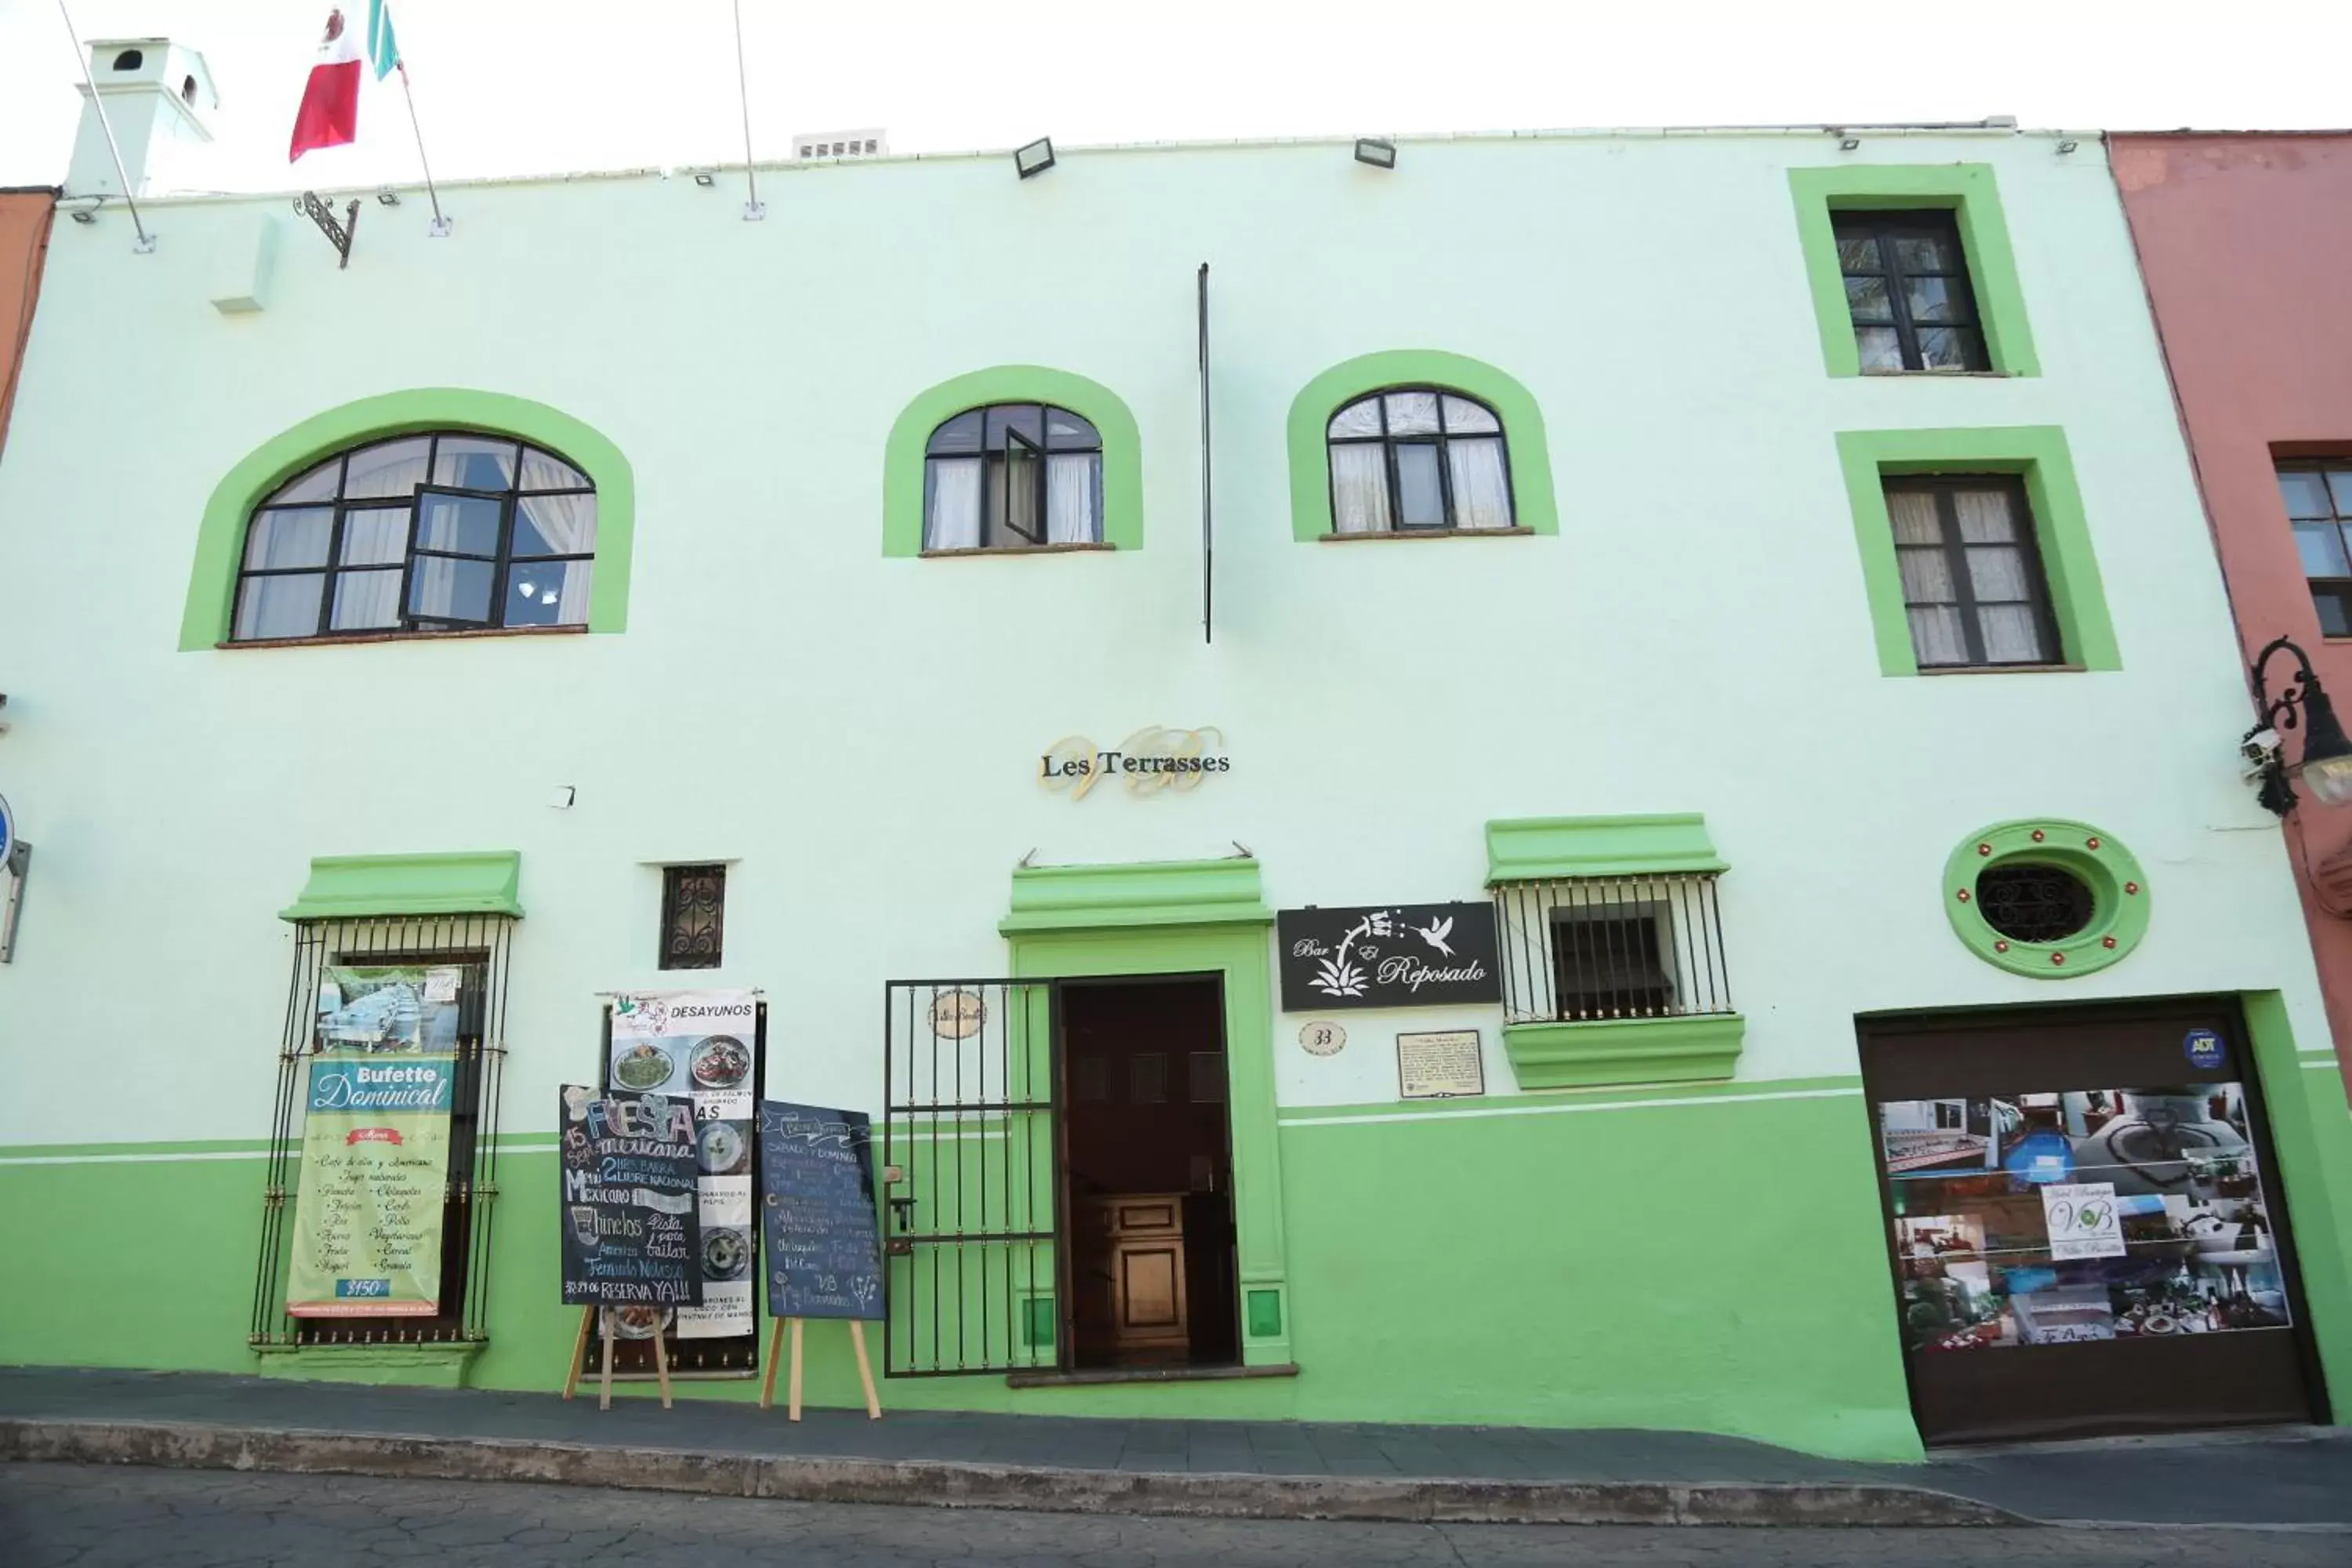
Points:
(1392, 955)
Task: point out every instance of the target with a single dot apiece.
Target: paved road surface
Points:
(65, 1516)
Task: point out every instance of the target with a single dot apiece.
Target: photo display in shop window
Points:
(2102, 1213)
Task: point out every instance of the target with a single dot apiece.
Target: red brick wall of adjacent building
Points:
(2246, 244)
(24, 244)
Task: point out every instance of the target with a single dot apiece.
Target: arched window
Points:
(452, 530)
(1013, 475)
(1417, 458)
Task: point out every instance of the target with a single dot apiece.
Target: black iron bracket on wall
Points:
(12, 901)
(339, 235)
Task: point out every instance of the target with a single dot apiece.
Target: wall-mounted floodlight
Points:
(705, 179)
(387, 197)
(1379, 155)
(1848, 144)
(2067, 146)
(1035, 158)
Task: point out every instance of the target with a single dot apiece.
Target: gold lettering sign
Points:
(957, 1014)
(1152, 758)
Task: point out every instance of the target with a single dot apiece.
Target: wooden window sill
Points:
(341, 638)
(1092, 1375)
(1944, 374)
(2003, 670)
(1429, 533)
(1081, 549)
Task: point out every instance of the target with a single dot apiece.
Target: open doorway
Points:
(1147, 1167)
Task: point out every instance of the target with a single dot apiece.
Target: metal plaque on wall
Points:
(1390, 955)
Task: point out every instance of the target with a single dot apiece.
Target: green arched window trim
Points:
(220, 539)
(2119, 895)
(1122, 446)
(1523, 430)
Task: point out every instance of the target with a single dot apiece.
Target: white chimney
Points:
(156, 94)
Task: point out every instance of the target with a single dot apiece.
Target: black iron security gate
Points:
(971, 1177)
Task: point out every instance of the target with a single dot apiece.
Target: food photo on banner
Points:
(632, 1236)
(1394, 955)
(375, 1144)
(702, 1047)
(2090, 1215)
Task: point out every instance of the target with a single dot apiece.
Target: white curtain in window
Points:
(1482, 490)
(1360, 489)
(954, 519)
(1936, 634)
(2010, 636)
(366, 599)
(1070, 514)
(434, 587)
(568, 523)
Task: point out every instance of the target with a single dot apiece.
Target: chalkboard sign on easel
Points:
(817, 1219)
(631, 1233)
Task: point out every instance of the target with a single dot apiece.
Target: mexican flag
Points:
(329, 115)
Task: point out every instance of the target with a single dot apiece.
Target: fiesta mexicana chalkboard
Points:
(1392, 955)
(631, 1235)
(817, 1212)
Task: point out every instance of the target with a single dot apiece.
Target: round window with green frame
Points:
(2046, 898)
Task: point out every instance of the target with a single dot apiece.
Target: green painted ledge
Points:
(1526, 450)
(1142, 893)
(2061, 529)
(349, 886)
(410, 1366)
(902, 454)
(1542, 848)
(1966, 190)
(1632, 1050)
(220, 538)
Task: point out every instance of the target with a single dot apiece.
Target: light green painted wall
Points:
(859, 735)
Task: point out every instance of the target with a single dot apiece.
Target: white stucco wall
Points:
(860, 734)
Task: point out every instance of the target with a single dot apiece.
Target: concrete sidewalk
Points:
(2293, 1478)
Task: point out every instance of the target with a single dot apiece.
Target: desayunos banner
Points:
(375, 1147)
(698, 1045)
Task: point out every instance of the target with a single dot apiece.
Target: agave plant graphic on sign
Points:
(1392, 955)
(1339, 975)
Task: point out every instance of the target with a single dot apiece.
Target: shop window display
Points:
(2090, 1215)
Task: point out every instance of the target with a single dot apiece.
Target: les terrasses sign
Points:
(1395, 955)
(1152, 758)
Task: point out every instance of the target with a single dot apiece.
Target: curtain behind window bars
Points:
(478, 945)
(1634, 947)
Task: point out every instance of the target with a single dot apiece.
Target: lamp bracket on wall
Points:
(339, 235)
(12, 896)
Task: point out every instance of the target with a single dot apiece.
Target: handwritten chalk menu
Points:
(817, 1212)
(631, 1235)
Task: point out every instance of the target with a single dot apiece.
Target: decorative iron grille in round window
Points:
(2028, 902)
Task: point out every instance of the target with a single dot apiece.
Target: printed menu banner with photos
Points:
(630, 1233)
(816, 1175)
(698, 1046)
(2100, 1214)
(375, 1144)
(1398, 955)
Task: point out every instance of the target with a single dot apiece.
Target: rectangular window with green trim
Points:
(1911, 271)
(1975, 551)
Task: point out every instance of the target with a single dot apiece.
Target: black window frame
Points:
(2325, 591)
(334, 568)
(1390, 441)
(997, 532)
(1944, 486)
(1883, 228)
(682, 936)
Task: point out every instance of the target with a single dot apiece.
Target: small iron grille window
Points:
(475, 947)
(2033, 903)
(1595, 949)
(693, 916)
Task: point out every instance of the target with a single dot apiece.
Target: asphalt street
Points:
(65, 1516)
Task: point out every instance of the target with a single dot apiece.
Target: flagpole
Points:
(752, 210)
(440, 224)
(146, 242)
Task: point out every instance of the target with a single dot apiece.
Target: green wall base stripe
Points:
(1547, 1106)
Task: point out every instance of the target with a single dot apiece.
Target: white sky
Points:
(508, 87)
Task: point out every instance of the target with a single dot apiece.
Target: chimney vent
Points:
(158, 96)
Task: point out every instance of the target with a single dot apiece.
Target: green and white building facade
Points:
(1776, 596)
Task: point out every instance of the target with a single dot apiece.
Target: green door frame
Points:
(1186, 918)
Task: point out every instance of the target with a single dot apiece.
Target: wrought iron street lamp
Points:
(2326, 763)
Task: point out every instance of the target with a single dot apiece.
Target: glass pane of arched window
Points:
(1412, 413)
(436, 531)
(1361, 417)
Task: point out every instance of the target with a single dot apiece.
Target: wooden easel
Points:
(793, 1396)
(603, 1316)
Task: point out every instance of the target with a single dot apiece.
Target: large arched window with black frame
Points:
(439, 531)
(1013, 475)
(1418, 459)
